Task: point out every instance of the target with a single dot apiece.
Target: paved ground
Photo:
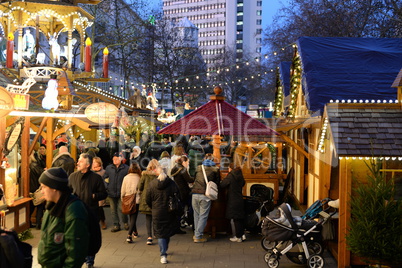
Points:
(216, 253)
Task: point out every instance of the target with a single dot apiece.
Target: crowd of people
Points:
(103, 174)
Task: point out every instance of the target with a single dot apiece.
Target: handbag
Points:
(128, 205)
(37, 197)
(173, 203)
(211, 190)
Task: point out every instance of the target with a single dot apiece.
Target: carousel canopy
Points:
(217, 117)
(342, 68)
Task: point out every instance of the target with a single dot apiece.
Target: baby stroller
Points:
(293, 237)
(258, 205)
(315, 242)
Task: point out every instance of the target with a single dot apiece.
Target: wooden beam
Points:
(345, 188)
(294, 145)
(38, 133)
(49, 142)
(25, 157)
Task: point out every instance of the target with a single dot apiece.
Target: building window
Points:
(259, 3)
(259, 12)
(258, 40)
(259, 22)
(259, 31)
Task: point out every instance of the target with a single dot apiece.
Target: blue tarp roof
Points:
(348, 68)
(284, 76)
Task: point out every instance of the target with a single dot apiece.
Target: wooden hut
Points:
(353, 75)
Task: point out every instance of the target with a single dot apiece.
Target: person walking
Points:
(64, 235)
(129, 187)
(182, 178)
(234, 183)
(35, 170)
(114, 175)
(64, 160)
(165, 223)
(202, 204)
(97, 167)
(146, 177)
(165, 162)
(89, 187)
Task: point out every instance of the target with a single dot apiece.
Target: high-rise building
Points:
(222, 24)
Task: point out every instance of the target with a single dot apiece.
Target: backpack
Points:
(95, 234)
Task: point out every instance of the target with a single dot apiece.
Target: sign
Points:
(101, 113)
(253, 114)
(6, 102)
(253, 107)
(14, 135)
(21, 101)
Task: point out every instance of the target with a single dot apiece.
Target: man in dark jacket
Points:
(114, 175)
(89, 187)
(64, 160)
(202, 204)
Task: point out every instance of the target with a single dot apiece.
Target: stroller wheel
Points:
(271, 260)
(267, 245)
(316, 261)
(315, 247)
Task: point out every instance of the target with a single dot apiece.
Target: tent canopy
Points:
(218, 117)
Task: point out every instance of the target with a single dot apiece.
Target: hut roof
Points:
(348, 68)
(366, 129)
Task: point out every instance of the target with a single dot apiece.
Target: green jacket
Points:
(64, 236)
(146, 178)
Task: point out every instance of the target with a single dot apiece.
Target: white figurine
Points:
(50, 100)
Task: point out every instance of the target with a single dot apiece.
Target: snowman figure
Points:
(50, 100)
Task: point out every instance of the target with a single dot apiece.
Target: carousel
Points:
(45, 58)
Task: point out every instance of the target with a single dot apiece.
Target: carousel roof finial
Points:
(218, 94)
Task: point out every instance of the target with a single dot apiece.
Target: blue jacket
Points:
(114, 179)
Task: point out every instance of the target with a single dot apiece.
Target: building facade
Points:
(222, 24)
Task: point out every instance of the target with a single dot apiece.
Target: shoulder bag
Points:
(128, 205)
(211, 190)
(37, 197)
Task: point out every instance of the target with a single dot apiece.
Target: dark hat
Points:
(118, 155)
(55, 178)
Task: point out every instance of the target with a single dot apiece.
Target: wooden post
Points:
(49, 143)
(25, 157)
(345, 186)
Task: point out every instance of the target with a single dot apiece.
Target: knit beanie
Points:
(55, 178)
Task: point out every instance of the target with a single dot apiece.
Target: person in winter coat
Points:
(64, 237)
(129, 187)
(234, 183)
(114, 175)
(35, 170)
(165, 223)
(97, 167)
(202, 204)
(136, 157)
(165, 162)
(146, 177)
(89, 187)
(64, 160)
(182, 178)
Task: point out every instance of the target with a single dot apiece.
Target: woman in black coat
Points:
(165, 223)
(234, 182)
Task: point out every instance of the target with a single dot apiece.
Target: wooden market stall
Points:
(218, 118)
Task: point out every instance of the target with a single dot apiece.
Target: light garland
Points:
(323, 135)
(387, 158)
(80, 21)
